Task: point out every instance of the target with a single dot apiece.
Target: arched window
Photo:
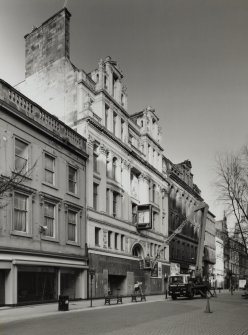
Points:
(138, 250)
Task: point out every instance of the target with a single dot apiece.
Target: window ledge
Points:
(73, 195)
(50, 239)
(75, 244)
(50, 185)
(21, 234)
(23, 175)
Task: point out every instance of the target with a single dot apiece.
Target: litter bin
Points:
(63, 303)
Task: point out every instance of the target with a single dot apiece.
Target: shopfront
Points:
(41, 280)
(37, 284)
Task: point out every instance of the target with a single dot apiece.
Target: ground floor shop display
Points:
(40, 280)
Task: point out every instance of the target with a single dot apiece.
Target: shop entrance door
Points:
(117, 284)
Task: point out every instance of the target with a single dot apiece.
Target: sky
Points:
(185, 58)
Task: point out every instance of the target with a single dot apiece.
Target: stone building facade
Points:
(235, 257)
(127, 192)
(183, 197)
(43, 214)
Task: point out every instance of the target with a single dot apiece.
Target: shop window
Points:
(21, 156)
(72, 180)
(20, 212)
(36, 284)
(49, 169)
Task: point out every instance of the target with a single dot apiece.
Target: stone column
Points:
(11, 286)
(59, 281)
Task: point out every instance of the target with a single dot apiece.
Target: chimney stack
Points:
(48, 43)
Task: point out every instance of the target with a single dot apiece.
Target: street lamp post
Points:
(91, 273)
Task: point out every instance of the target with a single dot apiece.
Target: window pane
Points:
(72, 174)
(49, 177)
(20, 163)
(20, 212)
(49, 162)
(21, 154)
(49, 219)
(20, 219)
(20, 148)
(71, 232)
(50, 227)
(72, 180)
(71, 226)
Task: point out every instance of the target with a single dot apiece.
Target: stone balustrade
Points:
(39, 115)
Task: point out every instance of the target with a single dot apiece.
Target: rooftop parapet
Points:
(38, 115)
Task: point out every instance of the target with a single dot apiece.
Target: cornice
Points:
(185, 186)
(42, 253)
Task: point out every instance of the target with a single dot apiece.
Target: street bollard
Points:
(166, 293)
(207, 310)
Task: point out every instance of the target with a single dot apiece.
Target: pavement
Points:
(225, 315)
(9, 314)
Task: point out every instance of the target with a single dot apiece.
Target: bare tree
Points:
(8, 183)
(232, 186)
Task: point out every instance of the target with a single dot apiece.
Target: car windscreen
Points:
(176, 280)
